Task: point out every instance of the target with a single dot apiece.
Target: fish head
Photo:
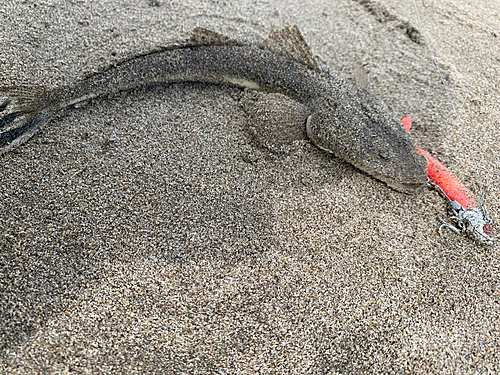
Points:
(475, 222)
(363, 132)
(482, 231)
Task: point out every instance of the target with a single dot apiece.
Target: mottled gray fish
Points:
(344, 119)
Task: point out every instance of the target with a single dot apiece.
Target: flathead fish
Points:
(344, 119)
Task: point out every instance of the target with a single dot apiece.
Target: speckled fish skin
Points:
(345, 120)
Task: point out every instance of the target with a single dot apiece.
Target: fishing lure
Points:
(468, 216)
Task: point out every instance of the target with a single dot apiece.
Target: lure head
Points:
(475, 222)
(361, 129)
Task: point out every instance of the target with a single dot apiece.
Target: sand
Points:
(160, 231)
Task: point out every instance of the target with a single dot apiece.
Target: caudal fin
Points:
(22, 111)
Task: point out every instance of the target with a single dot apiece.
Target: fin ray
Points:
(20, 113)
(289, 40)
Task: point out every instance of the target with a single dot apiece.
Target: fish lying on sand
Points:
(344, 119)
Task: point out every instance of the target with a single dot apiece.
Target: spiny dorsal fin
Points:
(290, 41)
(202, 37)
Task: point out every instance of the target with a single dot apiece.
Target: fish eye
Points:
(488, 230)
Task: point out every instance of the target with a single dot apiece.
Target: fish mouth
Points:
(402, 187)
(409, 187)
(488, 241)
(412, 186)
(483, 238)
(484, 233)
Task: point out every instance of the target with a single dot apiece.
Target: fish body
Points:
(345, 120)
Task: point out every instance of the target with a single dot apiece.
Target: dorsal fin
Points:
(200, 36)
(290, 41)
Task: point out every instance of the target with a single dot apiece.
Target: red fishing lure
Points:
(468, 215)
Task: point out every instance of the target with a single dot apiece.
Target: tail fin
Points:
(22, 111)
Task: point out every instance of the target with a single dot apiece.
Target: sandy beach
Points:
(164, 230)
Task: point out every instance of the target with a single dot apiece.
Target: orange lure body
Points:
(469, 215)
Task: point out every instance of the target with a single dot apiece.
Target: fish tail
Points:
(23, 109)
